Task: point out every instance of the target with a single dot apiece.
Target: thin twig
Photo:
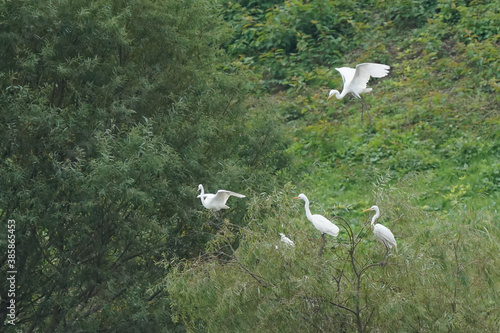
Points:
(343, 307)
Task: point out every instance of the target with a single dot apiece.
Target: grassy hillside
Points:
(436, 114)
(428, 155)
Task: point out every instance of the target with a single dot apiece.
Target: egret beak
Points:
(366, 210)
(296, 198)
(329, 96)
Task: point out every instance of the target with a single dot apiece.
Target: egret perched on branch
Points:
(216, 201)
(320, 222)
(382, 233)
(286, 240)
(355, 80)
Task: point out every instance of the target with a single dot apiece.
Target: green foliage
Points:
(410, 13)
(112, 114)
(288, 42)
(432, 283)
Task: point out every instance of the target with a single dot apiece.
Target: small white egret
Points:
(382, 233)
(320, 222)
(286, 240)
(216, 201)
(355, 80)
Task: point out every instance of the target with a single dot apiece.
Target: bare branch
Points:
(343, 307)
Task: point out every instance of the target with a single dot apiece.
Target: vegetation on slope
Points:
(429, 157)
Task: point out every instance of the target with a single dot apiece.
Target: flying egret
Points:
(216, 201)
(286, 240)
(382, 233)
(320, 222)
(355, 80)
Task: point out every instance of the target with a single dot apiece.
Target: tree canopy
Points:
(112, 113)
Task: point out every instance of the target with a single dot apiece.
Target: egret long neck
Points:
(308, 211)
(342, 95)
(338, 94)
(376, 216)
(202, 194)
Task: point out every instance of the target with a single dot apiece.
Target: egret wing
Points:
(374, 70)
(222, 196)
(384, 235)
(362, 75)
(325, 226)
(234, 194)
(347, 74)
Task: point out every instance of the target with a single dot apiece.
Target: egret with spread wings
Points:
(355, 80)
(216, 201)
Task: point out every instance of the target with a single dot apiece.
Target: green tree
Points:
(112, 112)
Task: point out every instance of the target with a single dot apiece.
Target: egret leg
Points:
(322, 246)
(363, 105)
(362, 109)
(213, 220)
(216, 219)
(384, 261)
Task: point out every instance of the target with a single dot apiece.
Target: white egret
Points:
(355, 80)
(286, 240)
(382, 233)
(216, 201)
(320, 222)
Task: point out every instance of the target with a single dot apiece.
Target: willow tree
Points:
(111, 114)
